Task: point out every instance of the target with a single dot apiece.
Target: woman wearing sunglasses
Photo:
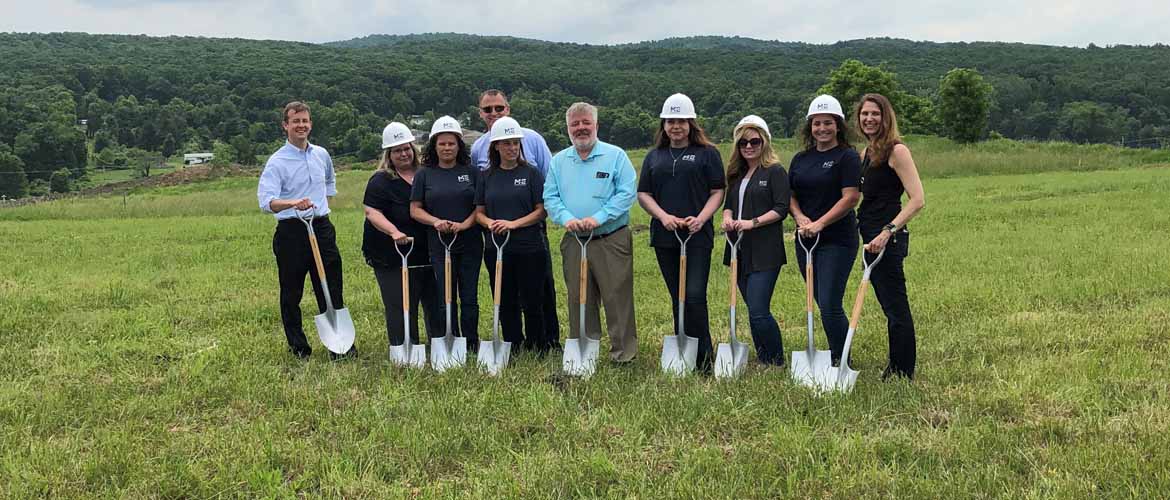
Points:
(757, 203)
(824, 178)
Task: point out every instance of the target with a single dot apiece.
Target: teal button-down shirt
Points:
(602, 186)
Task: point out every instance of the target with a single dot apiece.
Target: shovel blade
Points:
(580, 357)
(838, 379)
(491, 359)
(335, 328)
(730, 359)
(807, 370)
(414, 357)
(448, 352)
(679, 361)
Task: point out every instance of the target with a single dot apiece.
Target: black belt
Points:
(606, 235)
(321, 218)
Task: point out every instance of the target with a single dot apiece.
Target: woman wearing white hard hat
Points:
(888, 170)
(681, 186)
(443, 199)
(387, 208)
(757, 203)
(824, 178)
(510, 204)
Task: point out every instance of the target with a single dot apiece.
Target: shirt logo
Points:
(602, 175)
(688, 158)
(519, 182)
(763, 183)
(463, 178)
(828, 164)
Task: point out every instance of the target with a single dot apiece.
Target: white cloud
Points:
(1074, 22)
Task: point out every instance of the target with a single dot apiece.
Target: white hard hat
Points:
(395, 134)
(446, 124)
(678, 106)
(506, 128)
(753, 120)
(825, 104)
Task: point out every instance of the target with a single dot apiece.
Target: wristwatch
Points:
(891, 227)
(755, 221)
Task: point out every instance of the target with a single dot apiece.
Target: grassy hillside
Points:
(143, 357)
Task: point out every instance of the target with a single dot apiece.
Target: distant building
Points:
(197, 158)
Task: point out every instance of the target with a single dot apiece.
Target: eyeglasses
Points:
(497, 108)
(754, 142)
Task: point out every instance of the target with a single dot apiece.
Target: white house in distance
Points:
(197, 158)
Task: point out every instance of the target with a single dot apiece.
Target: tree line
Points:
(71, 101)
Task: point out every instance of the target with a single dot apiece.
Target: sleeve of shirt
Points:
(480, 187)
(330, 176)
(536, 187)
(552, 197)
(375, 196)
(269, 187)
(418, 190)
(732, 194)
(850, 170)
(780, 191)
(624, 193)
(792, 173)
(645, 184)
(715, 177)
(543, 155)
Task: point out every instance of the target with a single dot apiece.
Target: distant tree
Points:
(61, 181)
(224, 153)
(1086, 121)
(101, 141)
(38, 187)
(964, 104)
(371, 145)
(243, 150)
(13, 181)
(854, 79)
(630, 126)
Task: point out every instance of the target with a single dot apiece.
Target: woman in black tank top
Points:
(888, 170)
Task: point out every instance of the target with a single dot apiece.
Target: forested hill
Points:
(181, 94)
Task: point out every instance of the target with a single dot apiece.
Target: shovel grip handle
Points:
(682, 277)
(317, 257)
(447, 278)
(855, 316)
(808, 286)
(583, 272)
(499, 280)
(733, 281)
(405, 290)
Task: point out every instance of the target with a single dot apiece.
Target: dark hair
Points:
(810, 143)
(431, 155)
(492, 92)
(697, 136)
(295, 107)
(494, 158)
(881, 145)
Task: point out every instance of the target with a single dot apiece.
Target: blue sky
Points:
(1071, 22)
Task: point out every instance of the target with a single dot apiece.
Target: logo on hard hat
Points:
(510, 130)
(823, 105)
(399, 135)
(676, 109)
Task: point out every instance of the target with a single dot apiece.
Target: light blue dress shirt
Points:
(602, 186)
(535, 151)
(292, 174)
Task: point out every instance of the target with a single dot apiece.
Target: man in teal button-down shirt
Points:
(590, 187)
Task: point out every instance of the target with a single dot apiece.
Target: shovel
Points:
(448, 351)
(731, 357)
(493, 354)
(808, 363)
(680, 351)
(334, 326)
(842, 378)
(580, 359)
(408, 353)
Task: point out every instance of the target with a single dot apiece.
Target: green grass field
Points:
(143, 357)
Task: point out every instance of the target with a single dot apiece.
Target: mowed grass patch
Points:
(144, 357)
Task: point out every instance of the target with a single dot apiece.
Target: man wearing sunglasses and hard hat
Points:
(493, 105)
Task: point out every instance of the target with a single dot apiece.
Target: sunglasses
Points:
(496, 108)
(754, 142)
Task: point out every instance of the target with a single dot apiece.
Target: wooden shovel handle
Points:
(682, 277)
(447, 277)
(808, 286)
(499, 279)
(405, 290)
(857, 303)
(317, 257)
(584, 278)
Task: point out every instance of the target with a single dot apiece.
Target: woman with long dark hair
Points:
(443, 198)
(388, 222)
(823, 178)
(888, 170)
(681, 187)
(757, 203)
(510, 204)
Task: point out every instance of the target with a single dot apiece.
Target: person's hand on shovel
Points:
(878, 242)
(444, 226)
(303, 204)
(400, 238)
(692, 224)
(500, 226)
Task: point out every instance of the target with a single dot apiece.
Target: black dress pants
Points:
(294, 259)
(889, 284)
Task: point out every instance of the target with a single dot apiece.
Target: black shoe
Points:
(891, 374)
(836, 362)
(302, 355)
(351, 353)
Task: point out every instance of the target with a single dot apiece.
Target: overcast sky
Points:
(1069, 22)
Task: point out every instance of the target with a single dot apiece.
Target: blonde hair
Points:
(385, 164)
(737, 166)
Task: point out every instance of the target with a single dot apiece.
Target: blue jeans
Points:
(831, 267)
(757, 290)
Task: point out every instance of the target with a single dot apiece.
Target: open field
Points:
(143, 357)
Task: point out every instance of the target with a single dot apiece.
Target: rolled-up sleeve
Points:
(269, 187)
(553, 203)
(781, 194)
(625, 190)
(330, 177)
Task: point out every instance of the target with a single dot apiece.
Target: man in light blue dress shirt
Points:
(300, 177)
(590, 188)
(493, 105)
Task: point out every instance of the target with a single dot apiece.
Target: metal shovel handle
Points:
(583, 281)
(733, 282)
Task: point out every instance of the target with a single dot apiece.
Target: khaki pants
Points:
(611, 278)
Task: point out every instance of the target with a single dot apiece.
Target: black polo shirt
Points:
(391, 196)
(510, 195)
(681, 180)
(816, 179)
(449, 193)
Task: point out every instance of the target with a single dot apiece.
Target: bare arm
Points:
(907, 172)
(381, 223)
